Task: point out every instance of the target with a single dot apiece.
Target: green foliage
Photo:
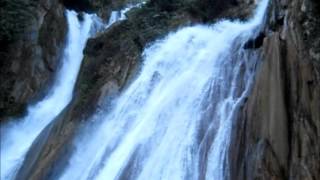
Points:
(15, 17)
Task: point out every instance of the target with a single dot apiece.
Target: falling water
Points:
(121, 14)
(174, 120)
(18, 136)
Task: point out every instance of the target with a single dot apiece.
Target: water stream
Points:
(18, 135)
(174, 121)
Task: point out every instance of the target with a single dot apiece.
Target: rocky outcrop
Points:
(277, 133)
(101, 7)
(37, 30)
(32, 37)
(111, 60)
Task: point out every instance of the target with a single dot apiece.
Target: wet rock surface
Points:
(112, 59)
(101, 7)
(32, 39)
(277, 134)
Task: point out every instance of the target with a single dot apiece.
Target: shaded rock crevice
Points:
(255, 43)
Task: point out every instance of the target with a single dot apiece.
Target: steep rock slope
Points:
(277, 134)
(32, 37)
(111, 61)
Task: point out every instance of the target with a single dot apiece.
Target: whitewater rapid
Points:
(18, 135)
(174, 121)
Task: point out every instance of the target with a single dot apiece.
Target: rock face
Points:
(32, 37)
(100, 7)
(277, 133)
(111, 61)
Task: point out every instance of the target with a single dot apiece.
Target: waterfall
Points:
(18, 135)
(121, 14)
(174, 120)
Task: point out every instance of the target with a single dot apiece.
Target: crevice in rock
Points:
(78, 5)
(256, 42)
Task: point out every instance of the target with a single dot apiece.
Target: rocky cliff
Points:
(32, 37)
(111, 61)
(277, 133)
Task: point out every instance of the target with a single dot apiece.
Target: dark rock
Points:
(208, 8)
(78, 5)
(256, 42)
(32, 38)
(277, 132)
(167, 5)
(111, 61)
(100, 7)
(80, 17)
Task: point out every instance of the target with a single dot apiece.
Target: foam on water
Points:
(18, 135)
(174, 120)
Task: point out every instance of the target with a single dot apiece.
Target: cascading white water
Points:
(121, 15)
(18, 136)
(190, 87)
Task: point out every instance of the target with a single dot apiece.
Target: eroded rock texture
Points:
(31, 40)
(111, 61)
(277, 134)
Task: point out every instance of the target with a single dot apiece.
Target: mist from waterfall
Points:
(174, 120)
(18, 135)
